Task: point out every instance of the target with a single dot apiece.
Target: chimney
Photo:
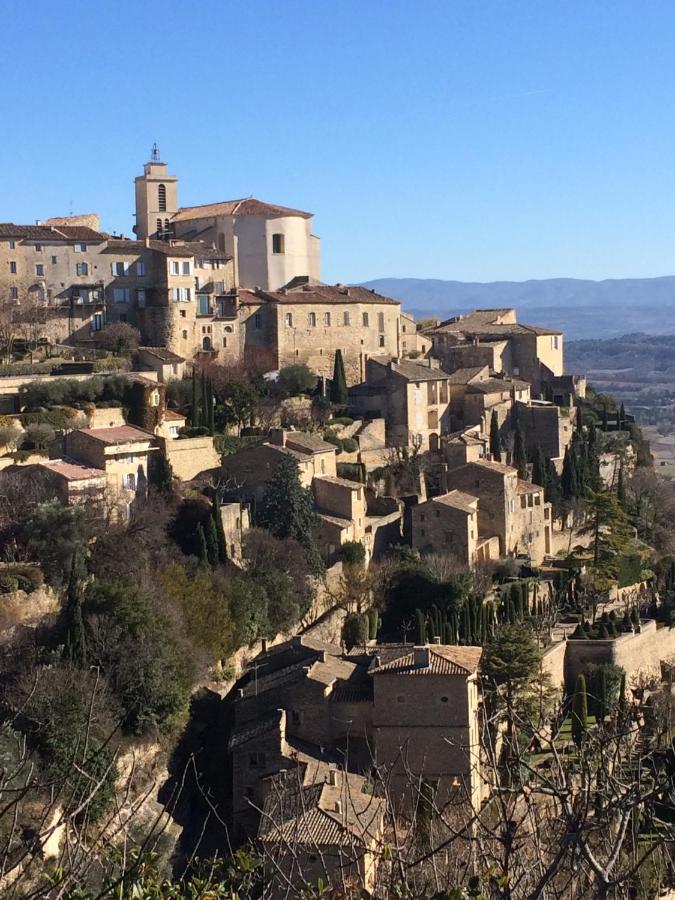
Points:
(332, 777)
(437, 639)
(377, 661)
(263, 644)
(240, 692)
(147, 242)
(421, 657)
(338, 807)
(38, 222)
(278, 437)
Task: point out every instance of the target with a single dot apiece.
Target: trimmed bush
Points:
(8, 584)
(330, 437)
(342, 420)
(349, 445)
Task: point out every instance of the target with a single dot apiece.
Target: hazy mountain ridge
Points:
(581, 308)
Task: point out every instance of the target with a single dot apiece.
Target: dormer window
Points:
(161, 198)
(278, 243)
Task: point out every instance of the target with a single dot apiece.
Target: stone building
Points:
(510, 509)
(308, 703)
(412, 396)
(483, 397)
(447, 524)
(546, 424)
(426, 721)
(333, 821)
(307, 321)
(495, 338)
(269, 244)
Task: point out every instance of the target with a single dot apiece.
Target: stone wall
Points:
(632, 652)
(190, 456)
(553, 663)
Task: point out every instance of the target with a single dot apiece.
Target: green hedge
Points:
(21, 578)
(29, 368)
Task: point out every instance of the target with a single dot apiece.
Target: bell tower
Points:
(156, 199)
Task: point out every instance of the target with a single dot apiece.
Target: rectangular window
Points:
(326, 319)
(13, 293)
(140, 297)
(203, 306)
(130, 482)
(80, 248)
(381, 340)
(12, 267)
(118, 268)
(258, 321)
(38, 248)
(365, 320)
(53, 260)
(121, 295)
(39, 269)
(175, 267)
(12, 245)
(278, 243)
(82, 268)
(140, 268)
(288, 318)
(380, 321)
(186, 268)
(345, 318)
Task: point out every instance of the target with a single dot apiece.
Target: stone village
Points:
(463, 411)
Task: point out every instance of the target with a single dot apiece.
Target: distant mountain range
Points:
(582, 309)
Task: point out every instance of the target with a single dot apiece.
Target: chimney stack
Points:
(338, 807)
(421, 657)
(332, 777)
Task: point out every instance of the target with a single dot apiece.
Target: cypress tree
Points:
(552, 492)
(579, 420)
(540, 468)
(421, 627)
(495, 439)
(373, 621)
(568, 482)
(579, 711)
(622, 417)
(605, 424)
(621, 488)
(194, 409)
(220, 531)
(338, 387)
(75, 649)
(520, 454)
(202, 549)
(204, 417)
(210, 408)
(622, 692)
(211, 535)
(603, 694)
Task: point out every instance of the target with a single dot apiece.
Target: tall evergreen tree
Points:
(75, 649)
(520, 454)
(605, 422)
(220, 531)
(194, 408)
(579, 420)
(287, 510)
(568, 481)
(495, 439)
(338, 387)
(202, 548)
(579, 711)
(204, 417)
(211, 536)
(210, 409)
(622, 417)
(539, 468)
(621, 488)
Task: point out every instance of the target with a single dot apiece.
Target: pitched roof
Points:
(249, 731)
(410, 370)
(307, 443)
(342, 482)
(466, 375)
(51, 233)
(183, 249)
(444, 659)
(173, 416)
(119, 434)
(162, 353)
(458, 500)
(318, 812)
(247, 206)
(317, 294)
(494, 466)
(71, 470)
(497, 385)
(527, 487)
(488, 321)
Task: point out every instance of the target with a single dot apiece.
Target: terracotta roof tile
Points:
(119, 434)
(444, 659)
(247, 206)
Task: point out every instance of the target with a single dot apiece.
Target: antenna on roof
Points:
(154, 155)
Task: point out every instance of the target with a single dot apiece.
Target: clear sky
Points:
(467, 139)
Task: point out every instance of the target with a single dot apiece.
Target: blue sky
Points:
(477, 140)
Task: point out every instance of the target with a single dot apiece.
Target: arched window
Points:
(206, 343)
(161, 198)
(311, 320)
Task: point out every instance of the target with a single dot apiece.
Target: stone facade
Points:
(447, 524)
